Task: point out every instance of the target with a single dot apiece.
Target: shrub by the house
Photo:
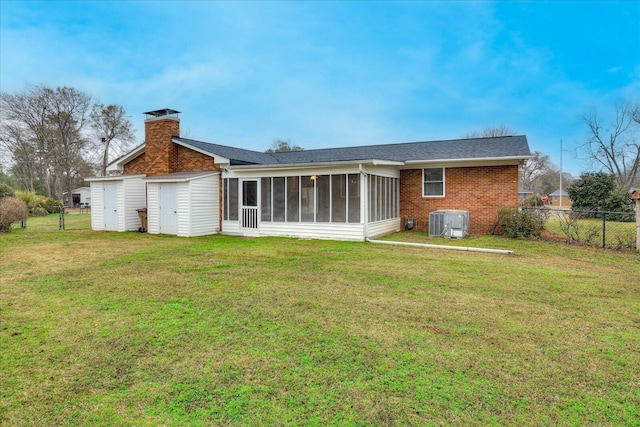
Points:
(12, 210)
(519, 224)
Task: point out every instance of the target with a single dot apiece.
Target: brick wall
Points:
(192, 161)
(135, 166)
(160, 152)
(479, 190)
(162, 156)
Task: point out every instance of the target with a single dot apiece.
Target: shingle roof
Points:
(458, 149)
(235, 155)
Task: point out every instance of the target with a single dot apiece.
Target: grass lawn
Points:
(101, 328)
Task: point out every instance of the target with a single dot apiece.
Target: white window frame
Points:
(443, 183)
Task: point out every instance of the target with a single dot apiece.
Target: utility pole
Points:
(560, 174)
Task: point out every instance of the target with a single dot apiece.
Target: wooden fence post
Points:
(636, 196)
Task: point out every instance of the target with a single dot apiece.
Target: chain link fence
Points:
(613, 230)
(49, 218)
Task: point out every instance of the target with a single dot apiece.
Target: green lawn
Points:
(73, 220)
(590, 231)
(102, 328)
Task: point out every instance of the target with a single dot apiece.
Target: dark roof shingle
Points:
(457, 149)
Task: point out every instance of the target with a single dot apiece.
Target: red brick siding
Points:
(192, 161)
(135, 166)
(479, 190)
(161, 153)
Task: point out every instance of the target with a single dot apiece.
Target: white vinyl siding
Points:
(205, 206)
(332, 231)
(197, 206)
(134, 196)
(130, 196)
(381, 228)
(153, 211)
(97, 206)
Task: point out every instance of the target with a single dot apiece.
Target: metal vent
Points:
(163, 112)
(452, 224)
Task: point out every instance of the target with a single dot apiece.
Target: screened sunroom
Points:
(322, 203)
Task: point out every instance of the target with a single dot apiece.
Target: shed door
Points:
(111, 207)
(168, 209)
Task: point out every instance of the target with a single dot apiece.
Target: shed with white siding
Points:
(184, 203)
(115, 200)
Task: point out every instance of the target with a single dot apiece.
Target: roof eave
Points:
(113, 177)
(169, 178)
(471, 159)
(118, 164)
(311, 165)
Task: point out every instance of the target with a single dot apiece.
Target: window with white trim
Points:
(433, 182)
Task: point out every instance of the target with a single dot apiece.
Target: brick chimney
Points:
(160, 152)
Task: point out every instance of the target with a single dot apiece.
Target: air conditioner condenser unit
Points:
(452, 224)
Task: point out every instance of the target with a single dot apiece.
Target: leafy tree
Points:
(597, 191)
(113, 129)
(492, 132)
(282, 146)
(615, 146)
(8, 180)
(6, 191)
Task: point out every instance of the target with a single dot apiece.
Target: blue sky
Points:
(328, 74)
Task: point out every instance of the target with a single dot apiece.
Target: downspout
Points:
(220, 201)
(365, 201)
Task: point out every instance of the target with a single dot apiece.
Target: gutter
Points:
(114, 177)
(311, 165)
(472, 159)
(453, 248)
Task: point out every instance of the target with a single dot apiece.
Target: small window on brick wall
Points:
(433, 182)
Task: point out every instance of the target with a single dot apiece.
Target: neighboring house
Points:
(524, 194)
(557, 199)
(351, 193)
(79, 197)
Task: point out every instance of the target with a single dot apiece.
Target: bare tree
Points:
(114, 130)
(615, 146)
(540, 175)
(281, 146)
(68, 113)
(23, 157)
(42, 128)
(533, 168)
(491, 132)
(25, 136)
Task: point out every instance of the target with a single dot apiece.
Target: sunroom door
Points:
(249, 208)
